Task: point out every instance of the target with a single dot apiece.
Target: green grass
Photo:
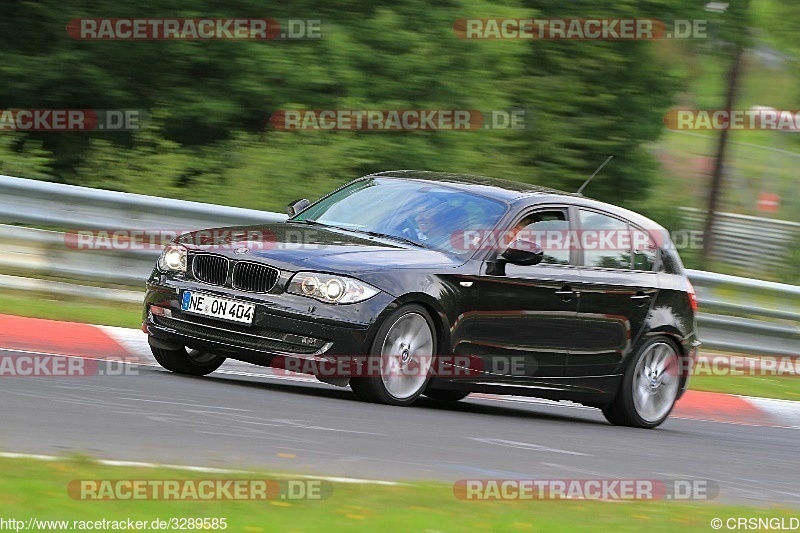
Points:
(71, 310)
(32, 488)
(781, 387)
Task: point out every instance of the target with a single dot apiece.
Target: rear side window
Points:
(605, 241)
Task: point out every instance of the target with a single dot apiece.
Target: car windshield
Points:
(427, 214)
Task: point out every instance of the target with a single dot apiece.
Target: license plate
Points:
(215, 307)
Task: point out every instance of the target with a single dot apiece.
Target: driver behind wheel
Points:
(437, 225)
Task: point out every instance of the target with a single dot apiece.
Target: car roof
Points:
(515, 192)
(500, 189)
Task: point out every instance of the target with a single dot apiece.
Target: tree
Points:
(210, 101)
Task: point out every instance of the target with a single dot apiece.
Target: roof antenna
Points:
(585, 183)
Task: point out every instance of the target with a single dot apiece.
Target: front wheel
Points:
(649, 387)
(404, 347)
(193, 362)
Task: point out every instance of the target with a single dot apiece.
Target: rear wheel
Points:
(193, 362)
(404, 348)
(649, 387)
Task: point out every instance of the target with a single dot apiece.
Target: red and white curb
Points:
(40, 336)
(19, 334)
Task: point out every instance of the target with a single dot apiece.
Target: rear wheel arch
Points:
(672, 334)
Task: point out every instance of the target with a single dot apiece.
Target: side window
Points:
(550, 230)
(605, 241)
(644, 250)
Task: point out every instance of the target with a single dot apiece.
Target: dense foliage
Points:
(207, 134)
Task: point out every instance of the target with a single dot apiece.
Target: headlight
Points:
(173, 258)
(330, 289)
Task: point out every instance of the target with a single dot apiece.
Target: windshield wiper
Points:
(365, 232)
(394, 237)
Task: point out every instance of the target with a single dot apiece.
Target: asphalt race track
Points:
(245, 417)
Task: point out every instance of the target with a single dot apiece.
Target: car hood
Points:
(301, 247)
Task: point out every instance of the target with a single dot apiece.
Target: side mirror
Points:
(297, 206)
(523, 252)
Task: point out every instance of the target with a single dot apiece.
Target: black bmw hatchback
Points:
(409, 283)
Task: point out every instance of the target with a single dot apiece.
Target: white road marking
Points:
(277, 422)
(580, 470)
(268, 376)
(526, 446)
(34, 352)
(185, 404)
(527, 399)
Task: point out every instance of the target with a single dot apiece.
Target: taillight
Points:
(692, 296)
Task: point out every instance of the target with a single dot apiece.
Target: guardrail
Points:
(737, 314)
(747, 241)
(747, 315)
(45, 204)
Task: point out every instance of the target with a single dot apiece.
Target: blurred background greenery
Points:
(207, 135)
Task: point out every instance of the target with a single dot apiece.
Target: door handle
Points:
(641, 298)
(567, 293)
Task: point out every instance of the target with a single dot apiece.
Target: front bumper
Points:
(283, 325)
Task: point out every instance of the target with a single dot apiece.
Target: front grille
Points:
(208, 268)
(236, 338)
(253, 277)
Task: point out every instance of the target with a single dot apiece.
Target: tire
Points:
(646, 398)
(446, 395)
(404, 343)
(192, 363)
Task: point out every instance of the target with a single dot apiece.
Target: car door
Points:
(618, 285)
(526, 316)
